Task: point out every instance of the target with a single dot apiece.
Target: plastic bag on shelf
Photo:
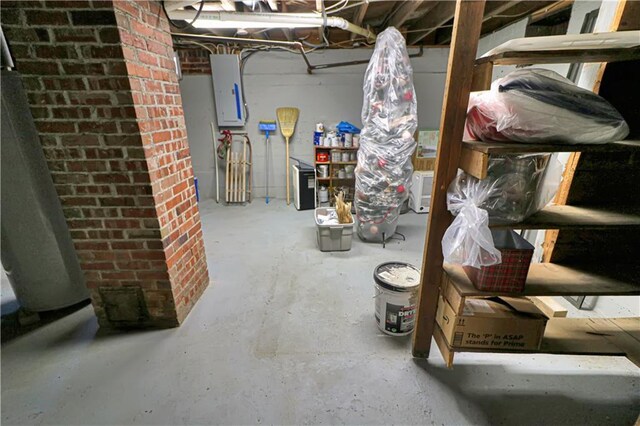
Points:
(538, 105)
(389, 116)
(516, 187)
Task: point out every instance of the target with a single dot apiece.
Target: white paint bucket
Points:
(348, 140)
(323, 194)
(396, 286)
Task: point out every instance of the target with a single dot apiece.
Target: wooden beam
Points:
(358, 16)
(405, 9)
(441, 14)
(466, 32)
(549, 306)
(482, 75)
(545, 12)
(518, 12)
(491, 9)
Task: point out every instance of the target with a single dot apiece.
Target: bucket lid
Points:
(397, 276)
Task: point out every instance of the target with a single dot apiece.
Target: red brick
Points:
(37, 68)
(55, 127)
(99, 127)
(79, 201)
(47, 17)
(80, 35)
(111, 178)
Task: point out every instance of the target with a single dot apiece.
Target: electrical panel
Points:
(227, 90)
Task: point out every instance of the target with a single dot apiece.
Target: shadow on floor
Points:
(13, 326)
(512, 398)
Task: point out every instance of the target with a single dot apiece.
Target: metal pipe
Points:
(294, 44)
(287, 20)
(357, 62)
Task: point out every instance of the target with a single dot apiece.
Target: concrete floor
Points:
(285, 334)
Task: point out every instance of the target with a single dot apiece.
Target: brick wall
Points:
(194, 61)
(104, 95)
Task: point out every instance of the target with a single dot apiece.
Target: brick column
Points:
(103, 91)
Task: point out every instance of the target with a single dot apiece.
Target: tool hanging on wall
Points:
(287, 117)
(215, 161)
(236, 167)
(267, 126)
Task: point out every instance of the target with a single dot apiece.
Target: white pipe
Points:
(275, 20)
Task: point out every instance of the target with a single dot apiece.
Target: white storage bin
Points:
(333, 237)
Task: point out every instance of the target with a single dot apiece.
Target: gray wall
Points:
(275, 79)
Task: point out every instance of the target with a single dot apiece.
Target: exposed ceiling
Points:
(422, 22)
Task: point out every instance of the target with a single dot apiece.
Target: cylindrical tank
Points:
(37, 251)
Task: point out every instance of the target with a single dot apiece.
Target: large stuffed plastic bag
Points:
(389, 116)
(537, 105)
(516, 187)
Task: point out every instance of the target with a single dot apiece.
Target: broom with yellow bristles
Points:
(287, 118)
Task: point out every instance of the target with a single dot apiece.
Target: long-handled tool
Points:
(287, 117)
(267, 126)
(215, 162)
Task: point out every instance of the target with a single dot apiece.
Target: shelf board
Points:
(574, 336)
(322, 162)
(567, 217)
(323, 179)
(566, 56)
(345, 162)
(550, 279)
(336, 147)
(474, 158)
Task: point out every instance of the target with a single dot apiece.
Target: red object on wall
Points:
(322, 157)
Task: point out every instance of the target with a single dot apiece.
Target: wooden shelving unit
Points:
(617, 336)
(333, 182)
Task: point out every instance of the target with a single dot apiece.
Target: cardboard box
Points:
(510, 275)
(497, 324)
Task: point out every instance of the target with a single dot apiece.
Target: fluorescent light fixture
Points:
(221, 20)
(267, 20)
(209, 23)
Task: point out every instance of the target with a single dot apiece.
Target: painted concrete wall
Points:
(278, 79)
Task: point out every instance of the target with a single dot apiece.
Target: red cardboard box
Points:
(510, 275)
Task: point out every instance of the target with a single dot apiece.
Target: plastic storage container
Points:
(333, 237)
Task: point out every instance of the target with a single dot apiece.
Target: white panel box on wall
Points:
(420, 195)
(227, 90)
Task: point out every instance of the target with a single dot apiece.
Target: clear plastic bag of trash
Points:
(516, 187)
(389, 117)
(537, 105)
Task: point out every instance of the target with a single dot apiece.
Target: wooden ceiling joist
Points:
(403, 12)
(521, 10)
(556, 7)
(438, 16)
(358, 16)
(491, 10)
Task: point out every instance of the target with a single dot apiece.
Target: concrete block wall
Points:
(275, 79)
(102, 88)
